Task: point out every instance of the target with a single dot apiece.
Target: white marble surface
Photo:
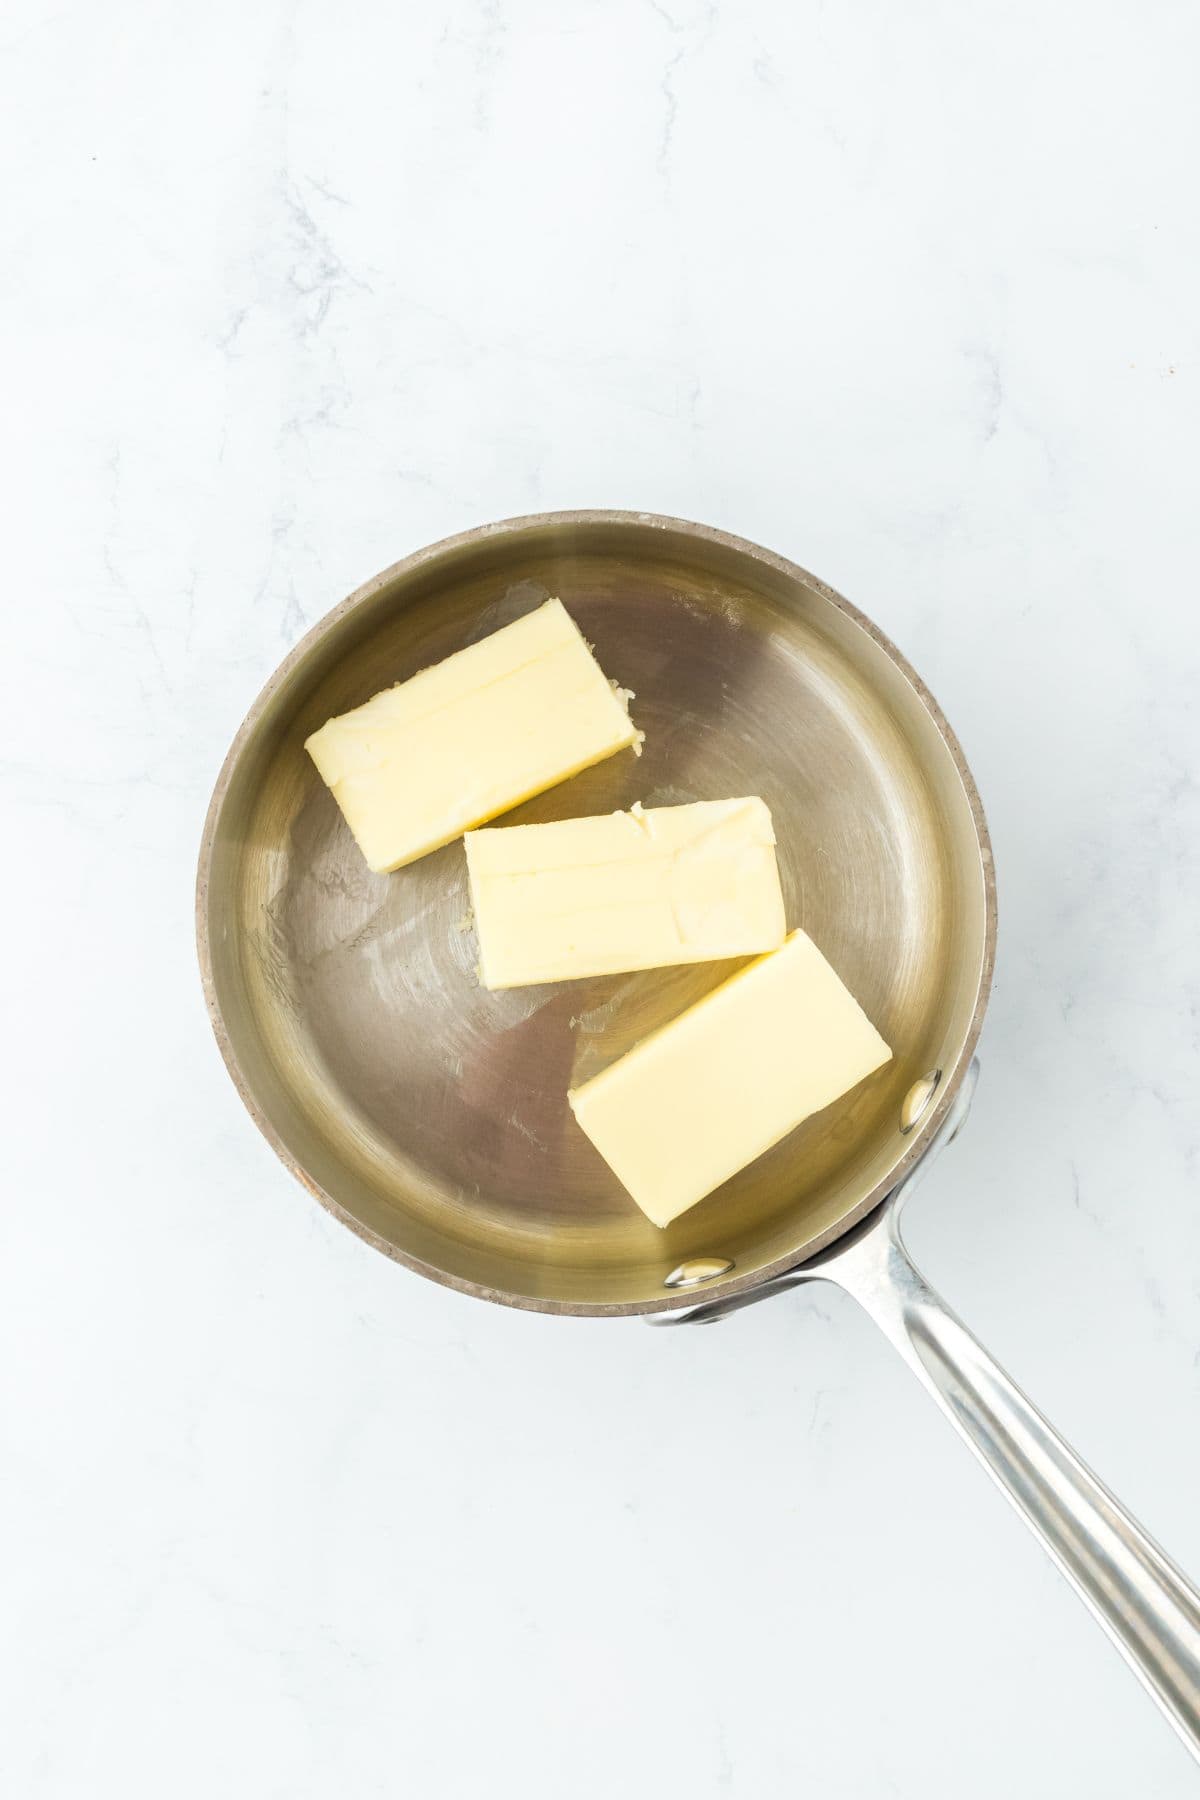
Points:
(910, 293)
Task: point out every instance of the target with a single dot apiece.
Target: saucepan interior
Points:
(430, 1114)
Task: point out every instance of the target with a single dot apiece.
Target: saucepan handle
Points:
(1147, 1606)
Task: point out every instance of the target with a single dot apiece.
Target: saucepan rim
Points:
(951, 1077)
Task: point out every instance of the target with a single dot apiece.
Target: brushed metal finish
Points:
(1146, 1604)
(430, 1114)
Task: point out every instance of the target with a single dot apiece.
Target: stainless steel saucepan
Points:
(431, 1115)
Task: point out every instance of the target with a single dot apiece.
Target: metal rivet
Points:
(916, 1101)
(697, 1271)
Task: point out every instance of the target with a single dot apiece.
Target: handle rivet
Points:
(916, 1102)
(697, 1271)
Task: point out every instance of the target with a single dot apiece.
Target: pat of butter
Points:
(696, 1101)
(630, 890)
(459, 743)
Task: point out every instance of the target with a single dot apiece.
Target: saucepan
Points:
(431, 1115)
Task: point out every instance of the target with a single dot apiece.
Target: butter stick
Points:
(704, 1096)
(629, 890)
(459, 743)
